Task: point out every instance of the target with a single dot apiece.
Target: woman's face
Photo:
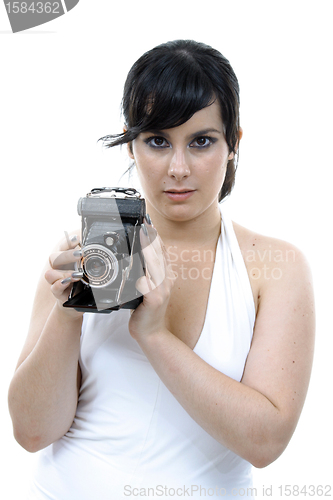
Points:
(191, 158)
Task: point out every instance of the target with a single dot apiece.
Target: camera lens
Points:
(96, 267)
(100, 266)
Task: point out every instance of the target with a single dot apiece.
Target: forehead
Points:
(206, 118)
(211, 115)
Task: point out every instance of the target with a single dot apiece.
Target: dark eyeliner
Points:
(211, 140)
(150, 139)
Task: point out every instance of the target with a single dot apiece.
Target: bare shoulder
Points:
(272, 262)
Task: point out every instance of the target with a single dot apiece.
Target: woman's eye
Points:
(157, 142)
(202, 142)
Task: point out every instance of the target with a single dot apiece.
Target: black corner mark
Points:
(70, 4)
(28, 14)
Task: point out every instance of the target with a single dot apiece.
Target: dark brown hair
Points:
(171, 82)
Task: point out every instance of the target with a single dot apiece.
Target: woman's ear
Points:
(130, 150)
(129, 146)
(240, 135)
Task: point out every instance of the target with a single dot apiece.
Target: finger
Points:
(60, 259)
(154, 239)
(52, 276)
(61, 283)
(168, 264)
(151, 234)
(154, 258)
(144, 285)
(157, 243)
(61, 289)
(163, 253)
(71, 240)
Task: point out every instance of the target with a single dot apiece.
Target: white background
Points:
(61, 86)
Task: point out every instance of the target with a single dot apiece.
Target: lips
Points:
(179, 195)
(178, 191)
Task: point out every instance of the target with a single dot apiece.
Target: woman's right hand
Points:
(61, 275)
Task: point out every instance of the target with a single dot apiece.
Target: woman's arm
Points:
(256, 417)
(43, 393)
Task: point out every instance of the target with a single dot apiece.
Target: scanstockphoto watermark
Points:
(190, 264)
(281, 491)
(268, 263)
(195, 263)
(187, 491)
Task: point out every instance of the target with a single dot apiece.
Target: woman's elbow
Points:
(32, 444)
(264, 454)
(262, 458)
(260, 462)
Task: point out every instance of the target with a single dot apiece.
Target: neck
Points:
(201, 231)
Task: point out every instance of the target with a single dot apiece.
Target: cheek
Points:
(145, 163)
(216, 167)
(146, 173)
(215, 171)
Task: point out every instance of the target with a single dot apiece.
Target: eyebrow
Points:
(205, 132)
(192, 136)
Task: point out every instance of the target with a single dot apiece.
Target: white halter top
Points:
(130, 436)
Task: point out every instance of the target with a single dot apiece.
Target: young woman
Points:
(208, 376)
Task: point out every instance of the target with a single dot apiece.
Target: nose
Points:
(178, 167)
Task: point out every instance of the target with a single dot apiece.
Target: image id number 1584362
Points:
(33, 7)
(288, 490)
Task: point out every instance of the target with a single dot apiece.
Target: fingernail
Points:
(73, 238)
(66, 280)
(148, 219)
(77, 274)
(77, 253)
(144, 229)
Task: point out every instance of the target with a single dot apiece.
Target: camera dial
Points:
(100, 266)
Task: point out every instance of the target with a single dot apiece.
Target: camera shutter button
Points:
(110, 238)
(109, 241)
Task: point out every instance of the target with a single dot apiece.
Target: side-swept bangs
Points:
(167, 95)
(162, 95)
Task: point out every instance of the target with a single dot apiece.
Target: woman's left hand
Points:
(156, 286)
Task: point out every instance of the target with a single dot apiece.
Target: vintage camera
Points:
(112, 258)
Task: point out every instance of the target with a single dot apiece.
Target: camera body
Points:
(112, 259)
